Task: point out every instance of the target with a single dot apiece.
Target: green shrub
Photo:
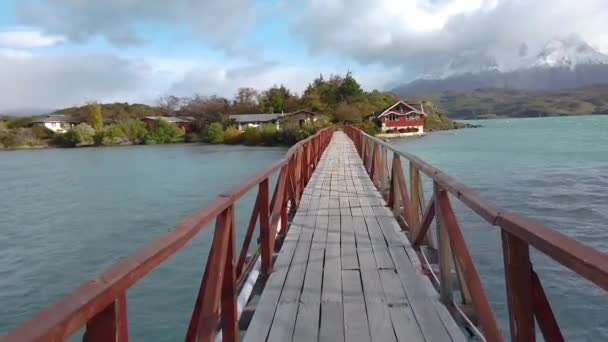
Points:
(19, 137)
(308, 128)
(288, 135)
(369, 127)
(252, 136)
(404, 130)
(113, 135)
(164, 133)
(81, 135)
(18, 122)
(215, 133)
(42, 133)
(134, 131)
(232, 135)
(268, 134)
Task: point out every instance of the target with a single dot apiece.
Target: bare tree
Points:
(245, 101)
(206, 109)
(169, 104)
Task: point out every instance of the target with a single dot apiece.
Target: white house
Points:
(256, 120)
(58, 123)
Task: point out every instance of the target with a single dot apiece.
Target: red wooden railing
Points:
(100, 303)
(456, 270)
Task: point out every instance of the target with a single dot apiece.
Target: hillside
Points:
(494, 103)
(115, 111)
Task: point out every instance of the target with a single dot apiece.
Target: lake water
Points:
(67, 213)
(552, 169)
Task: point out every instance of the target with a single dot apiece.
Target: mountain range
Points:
(562, 63)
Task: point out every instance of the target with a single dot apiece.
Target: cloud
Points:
(224, 81)
(221, 22)
(420, 35)
(56, 81)
(27, 39)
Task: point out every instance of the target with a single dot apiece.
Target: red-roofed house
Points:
(401, 116)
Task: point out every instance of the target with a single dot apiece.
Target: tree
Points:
(347, 113)
(274, 99)
(164, 132)
(245, 101)
(311, 100)
(205, 109)
(349, 89)
(169, 105)
(93, 116)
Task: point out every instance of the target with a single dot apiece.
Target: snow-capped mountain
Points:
(568, 52)
(561, 63)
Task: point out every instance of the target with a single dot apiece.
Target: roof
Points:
(301, 111)
(59, 118)
(417, 108)
(172, 119)
(244, 118)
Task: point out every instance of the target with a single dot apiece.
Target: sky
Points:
(57, 53)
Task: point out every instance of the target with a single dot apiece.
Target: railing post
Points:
(207, 309)
(402, 186)
(415, 194)
(518, 282)
(464, 263)
(229, 291)
(266, 235)
(543, 313)
(109, 325)
(446, 264)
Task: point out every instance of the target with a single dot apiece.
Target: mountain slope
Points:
(492, 103)
(561, 64)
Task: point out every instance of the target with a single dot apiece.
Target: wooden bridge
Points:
(344, 253)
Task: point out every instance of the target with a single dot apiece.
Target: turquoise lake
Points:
(65, 214)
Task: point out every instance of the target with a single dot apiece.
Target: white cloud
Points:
(220, 22)
(225, 80)
(14, 53)
(27, 39)
(420, 35)
(54, 81)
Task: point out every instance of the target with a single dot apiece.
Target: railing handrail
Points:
(526, 298)
(580, 258)
(108, 288)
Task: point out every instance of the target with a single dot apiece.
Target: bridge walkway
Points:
(346, 271)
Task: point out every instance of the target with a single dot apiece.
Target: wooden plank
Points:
(361, 235)
(379, 319)
(356, 328)
(332, 311)
(344, 202)
(401, 315)
(348, 252)
(392, 232)
(264, 312)
(430, 324)
(307, 322)
(383, 258)
(284, 320)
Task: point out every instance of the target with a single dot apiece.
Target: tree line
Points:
(338, 98)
